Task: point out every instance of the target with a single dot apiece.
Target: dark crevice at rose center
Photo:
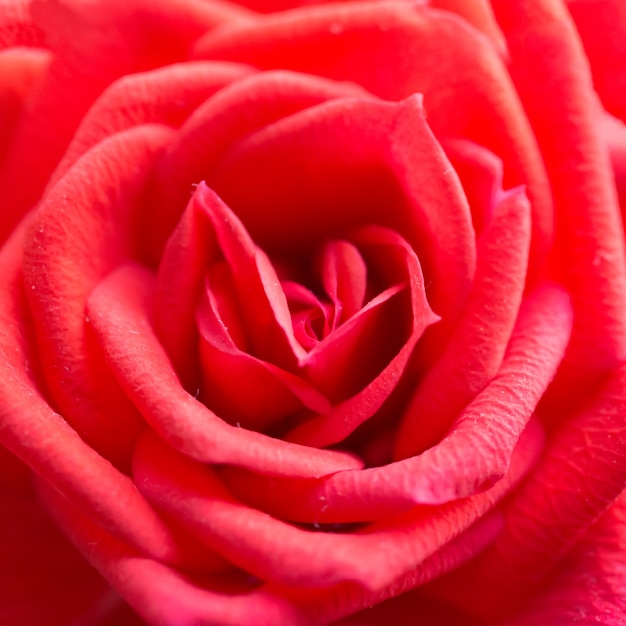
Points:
(335, 301)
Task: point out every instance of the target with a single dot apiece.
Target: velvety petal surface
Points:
(374, 45)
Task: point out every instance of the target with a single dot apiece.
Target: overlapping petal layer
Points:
(279, 328)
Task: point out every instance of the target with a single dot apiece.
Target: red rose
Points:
(310, 312)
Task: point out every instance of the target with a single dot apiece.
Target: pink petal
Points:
(475, 350)
(582, 471)
(17, 27)
(479, 14)
(181, 601)
(262, 302)
(200, 144)
(474, 454)
(82, 230)
(280, 552)
(589, 586)
(162, 595)
(614, 134)
(602, 28)
(21, 70)
(43, 439)
(374, 45)
(117, 38)
(481, 173)
(400, 606)
(340, 358)
(241, 388)
(232, 114)
(120, 309)
(552, 76)
(166, 96)
(44, 580)
(344, 276)
(355, 159)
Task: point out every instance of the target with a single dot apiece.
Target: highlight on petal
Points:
(21, 70)
(614, 134)
(479, 14)
(17, 27)
(481, 173)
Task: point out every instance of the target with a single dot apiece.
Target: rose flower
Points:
(312, 314)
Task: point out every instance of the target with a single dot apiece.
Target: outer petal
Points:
(42, 439)
(44, 580)
(83, 229)
(226, 599)
(355, 158)
(601, 25)
(23, 64)
(94, 43)
(479, 14)
(165, 96)
(162, 595)
(552, 76)
(589, 586)
(582, 471)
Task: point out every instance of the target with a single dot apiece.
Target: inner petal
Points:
(344, 276)
(309, 315)
(241, 388)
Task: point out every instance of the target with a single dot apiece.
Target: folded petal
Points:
(374, 44)
(552, 76)
(82, 230)
(589, 586)
(138, 360)
(475, 350)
